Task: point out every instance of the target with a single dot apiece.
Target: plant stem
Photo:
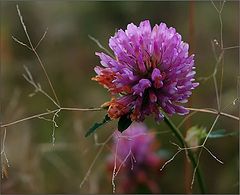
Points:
(183, 144)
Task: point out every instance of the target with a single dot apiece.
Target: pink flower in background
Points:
(151, 71)
(135, 159)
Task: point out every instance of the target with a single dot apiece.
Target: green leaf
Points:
(221, 133)
(97, 125)
(124, 122)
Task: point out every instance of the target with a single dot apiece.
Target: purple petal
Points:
(141, 86)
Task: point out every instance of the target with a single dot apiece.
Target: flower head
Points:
(151, 71)
(135, 156)
(136, 141)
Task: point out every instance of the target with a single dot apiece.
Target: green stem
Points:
(183, 144)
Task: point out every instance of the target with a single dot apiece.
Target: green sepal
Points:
(97, 125)
(124, 122)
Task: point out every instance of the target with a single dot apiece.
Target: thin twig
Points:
(215, 68)
(170, 160)
(47, 113)
(46, 119)
(54, 126)
(216, 91)
(222, 69)
(122, 163)
(101, 46)
(3, 152)
(180, 149)
(214, 6)
(209, 132)
(224, 1)
(36, 54)
(213, 44)
(37, 86)
(21, 43)
(81, 109)
(28, 118)
(212, 155)
(212, 111)
(233, 103)
(114, 168)
(232, 47)
(221, 29)
(94, 160)
(43, 36)
(200, 153)
(191, 156)
(186, 118)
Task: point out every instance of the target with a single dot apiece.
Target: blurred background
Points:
(36, 166)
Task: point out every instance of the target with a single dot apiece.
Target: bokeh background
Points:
(68, 54)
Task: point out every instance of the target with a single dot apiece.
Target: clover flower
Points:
(136, 141)
(135, 156)
(151, 72)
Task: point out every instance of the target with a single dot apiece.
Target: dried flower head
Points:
(151, 72)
